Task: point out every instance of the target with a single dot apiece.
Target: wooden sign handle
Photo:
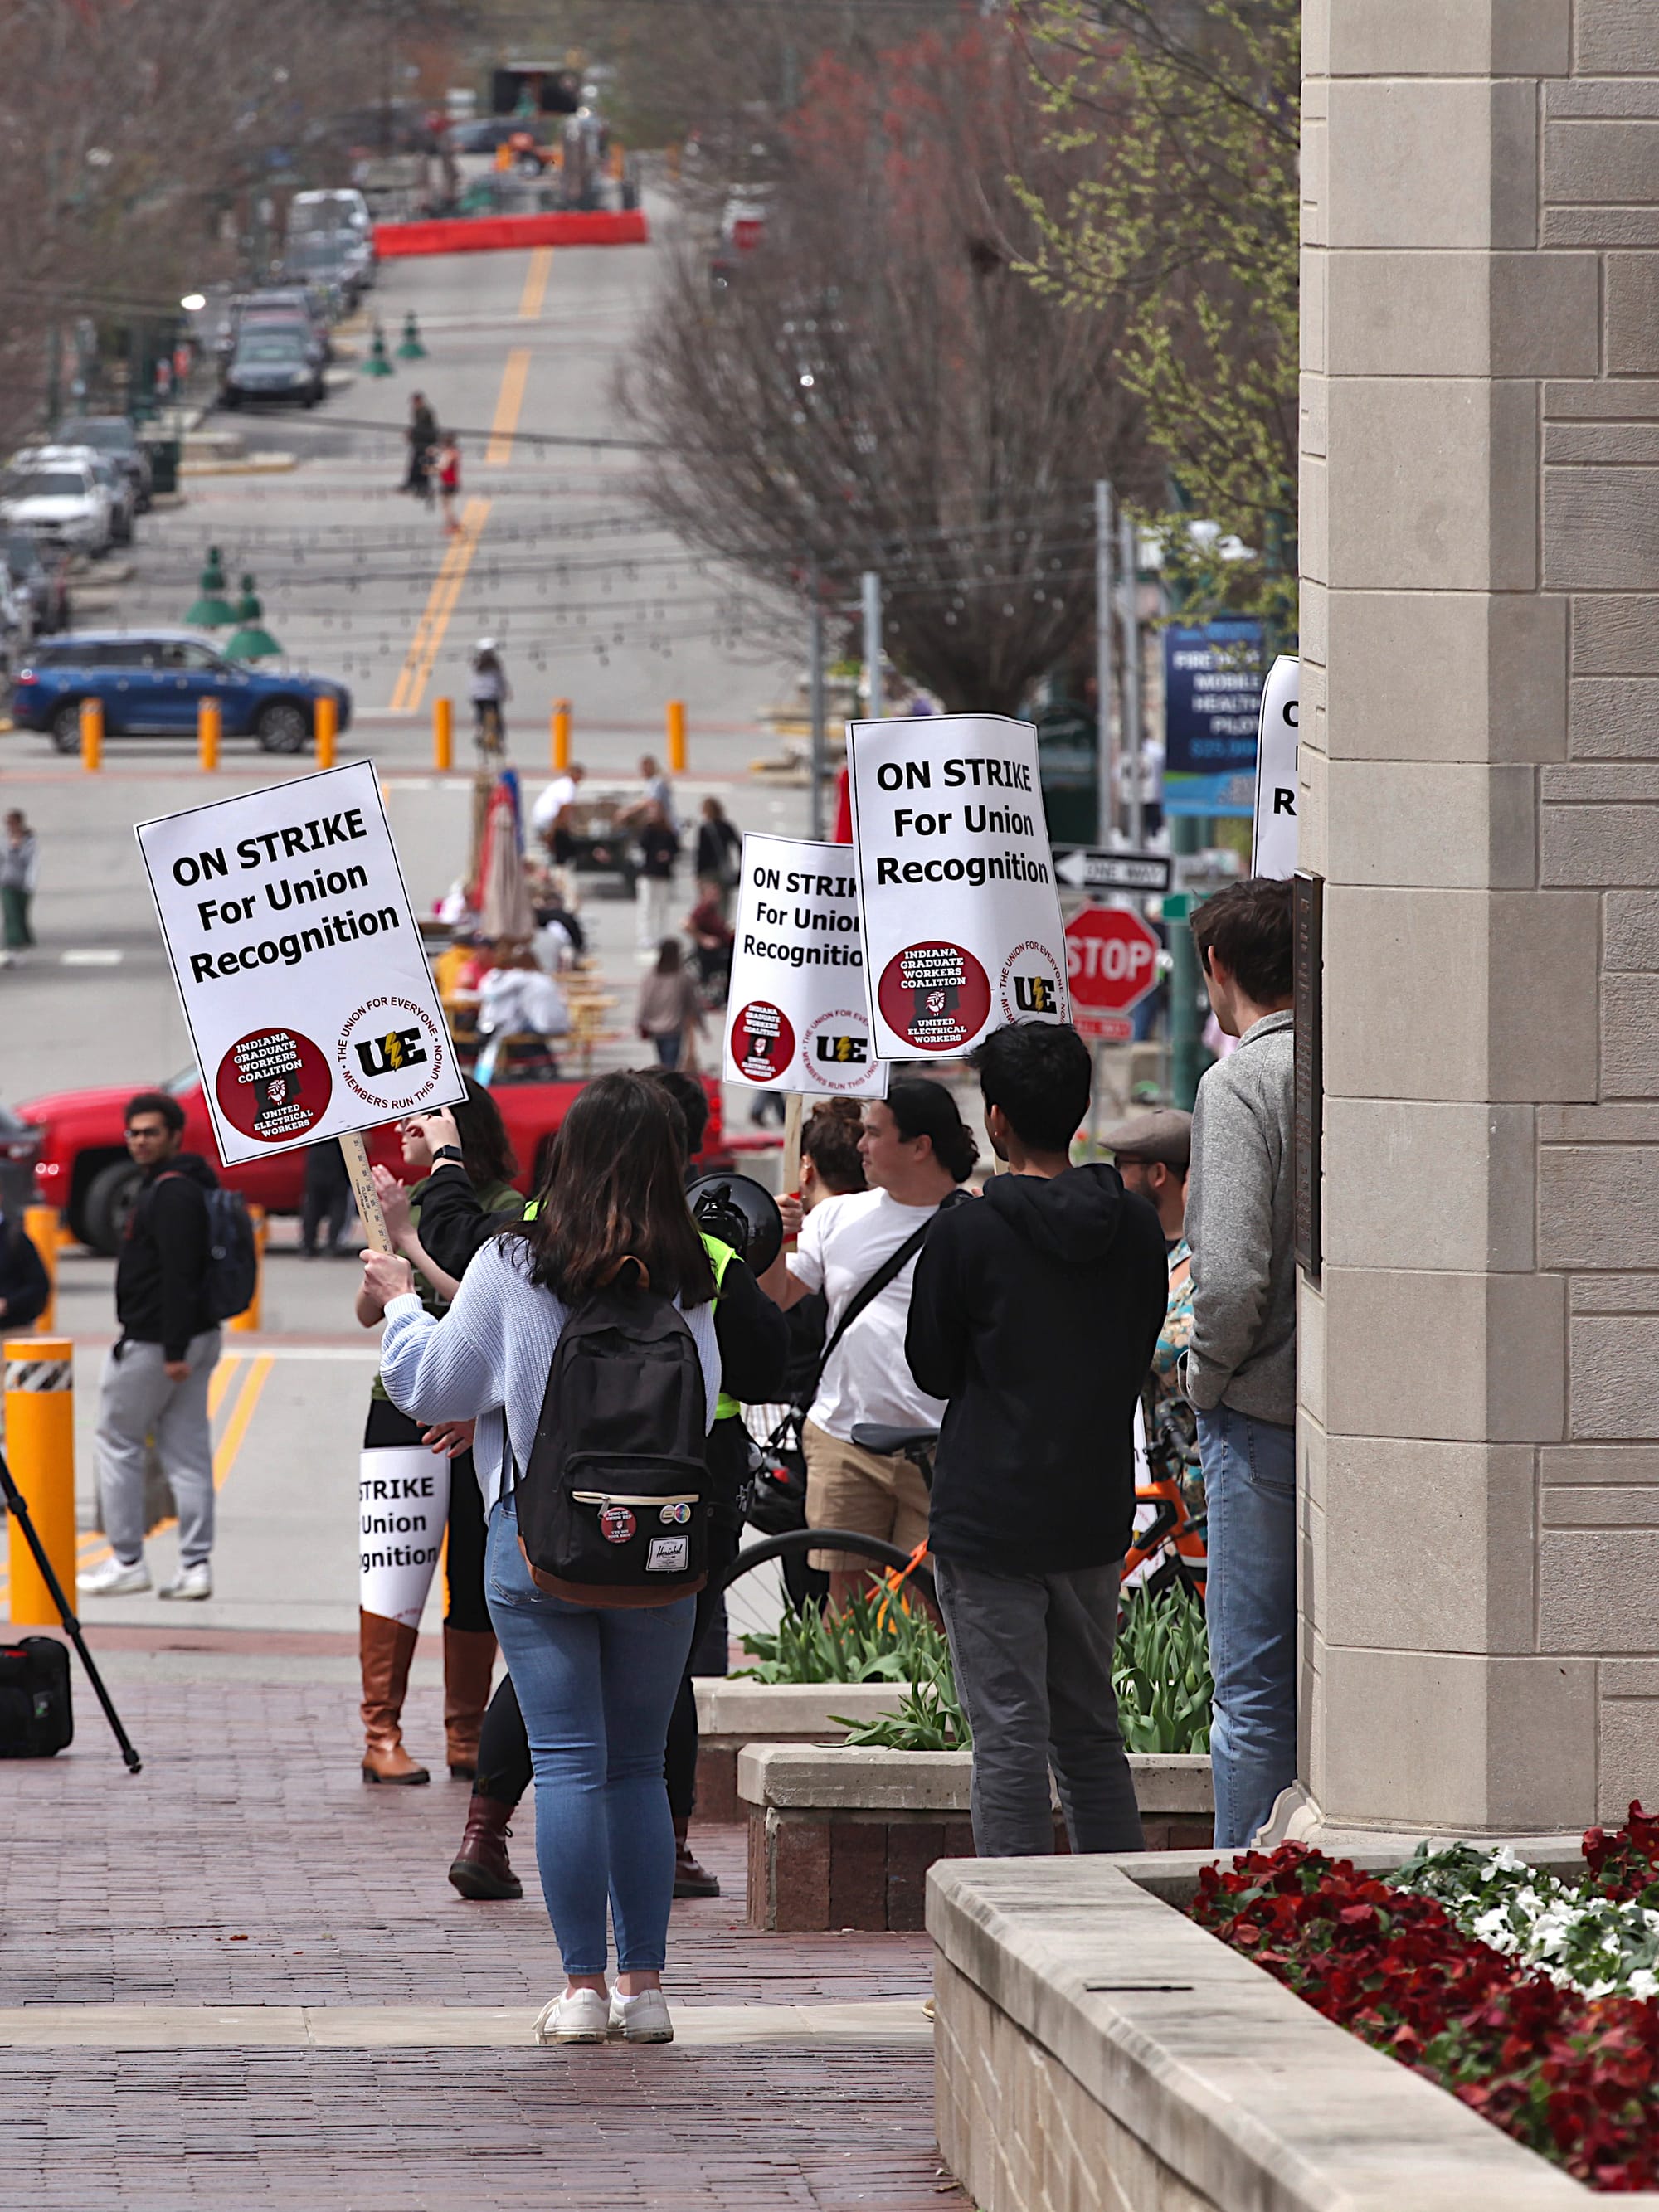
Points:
(792, 1106)
(363, 1190)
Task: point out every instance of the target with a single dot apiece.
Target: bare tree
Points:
(880, 388)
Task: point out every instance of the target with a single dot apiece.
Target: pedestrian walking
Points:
(658, 790)
(326, 1206)
(719, 855)
(670, 1013)
(386, 1639)
(1240, 1369)
(20, 860)
(422, 436)
(449, 481)
(1034, 1316)
(596, 1678)
(658, 847)
(489, 691)
(25, 1286)
(860, 1251)
(156, 1376)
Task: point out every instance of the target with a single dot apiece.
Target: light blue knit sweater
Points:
(492, 1350)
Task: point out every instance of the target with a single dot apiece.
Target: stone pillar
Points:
(1479, 767)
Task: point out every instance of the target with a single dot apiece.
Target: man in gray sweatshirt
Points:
(1241, 1365)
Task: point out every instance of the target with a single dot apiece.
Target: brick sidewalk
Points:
(248, 1865)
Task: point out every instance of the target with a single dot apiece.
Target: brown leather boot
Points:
(469, 1656)
(690, 1878)
(386, 1648)
(481, 1869)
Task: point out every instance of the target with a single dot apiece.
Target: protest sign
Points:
(962, 927)
(299, 962)
(1274, 847)
(402, 1505)
(797, 1013)
(1211, 700)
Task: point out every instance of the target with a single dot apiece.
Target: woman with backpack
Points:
(400, 1557)
(596, 1647)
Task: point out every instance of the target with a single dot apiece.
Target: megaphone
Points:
(737, 1210)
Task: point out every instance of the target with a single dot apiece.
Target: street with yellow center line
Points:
(514, 376)
(429, 632)
(535, 283)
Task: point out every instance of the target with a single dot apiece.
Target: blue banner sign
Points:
(1212, 677)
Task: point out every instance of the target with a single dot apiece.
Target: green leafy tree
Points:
(1185, 230)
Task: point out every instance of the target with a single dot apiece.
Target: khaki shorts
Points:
(863, 1491)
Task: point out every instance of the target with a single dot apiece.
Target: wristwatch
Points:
(448, 1152)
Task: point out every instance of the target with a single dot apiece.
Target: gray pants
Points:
(1033, 1658)
(137, 1403)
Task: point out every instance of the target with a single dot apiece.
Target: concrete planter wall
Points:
(1097, 2051)
(731, 1714)
(843, 1838)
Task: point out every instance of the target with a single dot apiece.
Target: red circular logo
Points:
(763, 1041)
(616, 1524)
(937, 995)
(273, 1085)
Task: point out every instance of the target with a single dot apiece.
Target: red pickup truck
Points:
(82, 1168)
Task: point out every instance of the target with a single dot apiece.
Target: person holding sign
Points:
(861, 1252)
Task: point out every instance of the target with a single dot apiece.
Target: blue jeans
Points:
(596, 1686)
(1249, 1487)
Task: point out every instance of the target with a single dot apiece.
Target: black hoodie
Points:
(161, 1278)
(1036, 1313)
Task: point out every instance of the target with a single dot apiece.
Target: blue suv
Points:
(150, 682)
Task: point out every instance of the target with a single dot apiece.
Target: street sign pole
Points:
(1129, 564)
(1105, 736)
(871, 591)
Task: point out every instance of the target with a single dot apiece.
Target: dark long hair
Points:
(487, 1154)
(923, 1108)
(614, 1192)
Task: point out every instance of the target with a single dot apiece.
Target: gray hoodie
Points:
(1241, 1221)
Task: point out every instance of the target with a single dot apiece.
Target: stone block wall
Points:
(1480, 771)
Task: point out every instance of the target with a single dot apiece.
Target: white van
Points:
(330, 214)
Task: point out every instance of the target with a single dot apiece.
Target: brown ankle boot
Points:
(481, 1869)
(469, 1658)
(690, 1878)
(386, 1648)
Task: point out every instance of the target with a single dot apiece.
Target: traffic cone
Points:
(411, 349)
(251, 641)
(212, 611)
(377, 364)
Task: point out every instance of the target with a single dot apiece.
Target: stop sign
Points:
(1111, 959)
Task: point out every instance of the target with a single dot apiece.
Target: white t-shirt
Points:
(548, 808)
(842, 1242)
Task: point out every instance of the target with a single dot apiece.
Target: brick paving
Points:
(249, 1865)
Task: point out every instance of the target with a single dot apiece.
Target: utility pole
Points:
(870, 592)
(819, 763)
(1129, 566)
(1105, 741)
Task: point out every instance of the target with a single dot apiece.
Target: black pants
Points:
(504, 1770)
(387, 1427)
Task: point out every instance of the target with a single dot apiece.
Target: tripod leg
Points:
(19, 1510)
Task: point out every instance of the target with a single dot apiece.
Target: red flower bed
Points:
(1574, 2078)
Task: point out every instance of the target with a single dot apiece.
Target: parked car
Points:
(42, 573)
(59, 498)
(20, 1148)
(82, 1169)
(152, 681)
(16, 623)
(118, 488)
(328, 264)
(341, 213)
(271, 363)
(116, 435)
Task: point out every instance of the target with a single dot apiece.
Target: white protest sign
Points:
(797, 1015)
(962, 927)
(402, 1504)
(1273, 851)
(299, 962)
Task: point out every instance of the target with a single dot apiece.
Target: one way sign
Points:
(1089, 871)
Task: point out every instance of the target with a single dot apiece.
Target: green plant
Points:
(876, 1637)
(1161, 1671)
(928, 1717)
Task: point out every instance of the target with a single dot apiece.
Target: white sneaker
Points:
(578, 2016)
(112, 1579)
(189, 1581)
(641, 2019)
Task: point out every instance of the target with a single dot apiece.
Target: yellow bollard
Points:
(327, 719)
(209, 727)
(40, 1227)
(41, 1446)
(92, 734)
(677, 736)
(561, 736)
(443, 735)
(253, 1318)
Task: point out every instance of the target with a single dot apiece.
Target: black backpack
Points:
(612, 1496)
(36, 1718)
(233, 1268)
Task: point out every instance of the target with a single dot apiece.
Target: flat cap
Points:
(1165, 1134)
